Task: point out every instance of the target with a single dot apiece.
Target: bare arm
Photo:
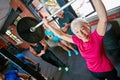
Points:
(30, 60)
(34, 52)
(58, 32)
(65, 28)
(101, 12)
(44, 44)
(26, 76)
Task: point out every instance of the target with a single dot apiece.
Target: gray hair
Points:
(77, 21)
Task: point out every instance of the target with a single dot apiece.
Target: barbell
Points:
(23, 30)
(30, 30)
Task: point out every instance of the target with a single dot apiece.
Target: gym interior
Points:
(17, 37)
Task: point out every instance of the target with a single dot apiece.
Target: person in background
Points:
(6, 74)
(64, 20)
(26, 60)
(40, 50)
(21, 56)
(14, 75)
(89, 44)
(60, 42)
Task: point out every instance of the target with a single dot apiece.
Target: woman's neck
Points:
(86, 39)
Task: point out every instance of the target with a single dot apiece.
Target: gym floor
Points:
(77, 65)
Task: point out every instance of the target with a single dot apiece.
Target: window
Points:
(9, 33)
(52, 5)
(110, 4)
(83, 8)
(16, 20)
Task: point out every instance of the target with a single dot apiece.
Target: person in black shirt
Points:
(40, 50)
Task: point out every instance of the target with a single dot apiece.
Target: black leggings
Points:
(50, 57)
(111, 75)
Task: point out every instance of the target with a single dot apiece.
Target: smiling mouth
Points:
(83, 36)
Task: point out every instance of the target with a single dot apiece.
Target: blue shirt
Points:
(22, 57)
(12, 75)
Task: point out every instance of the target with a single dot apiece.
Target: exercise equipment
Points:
(23, 30)
(31, 31)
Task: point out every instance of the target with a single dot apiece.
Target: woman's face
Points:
(81, 31)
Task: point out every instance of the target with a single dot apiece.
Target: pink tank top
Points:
(94, 53)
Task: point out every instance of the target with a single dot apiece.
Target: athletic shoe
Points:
(59, 69)
(69, 53)
(66, 69)
(76, 52)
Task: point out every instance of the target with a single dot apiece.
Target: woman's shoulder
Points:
(95, 35)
